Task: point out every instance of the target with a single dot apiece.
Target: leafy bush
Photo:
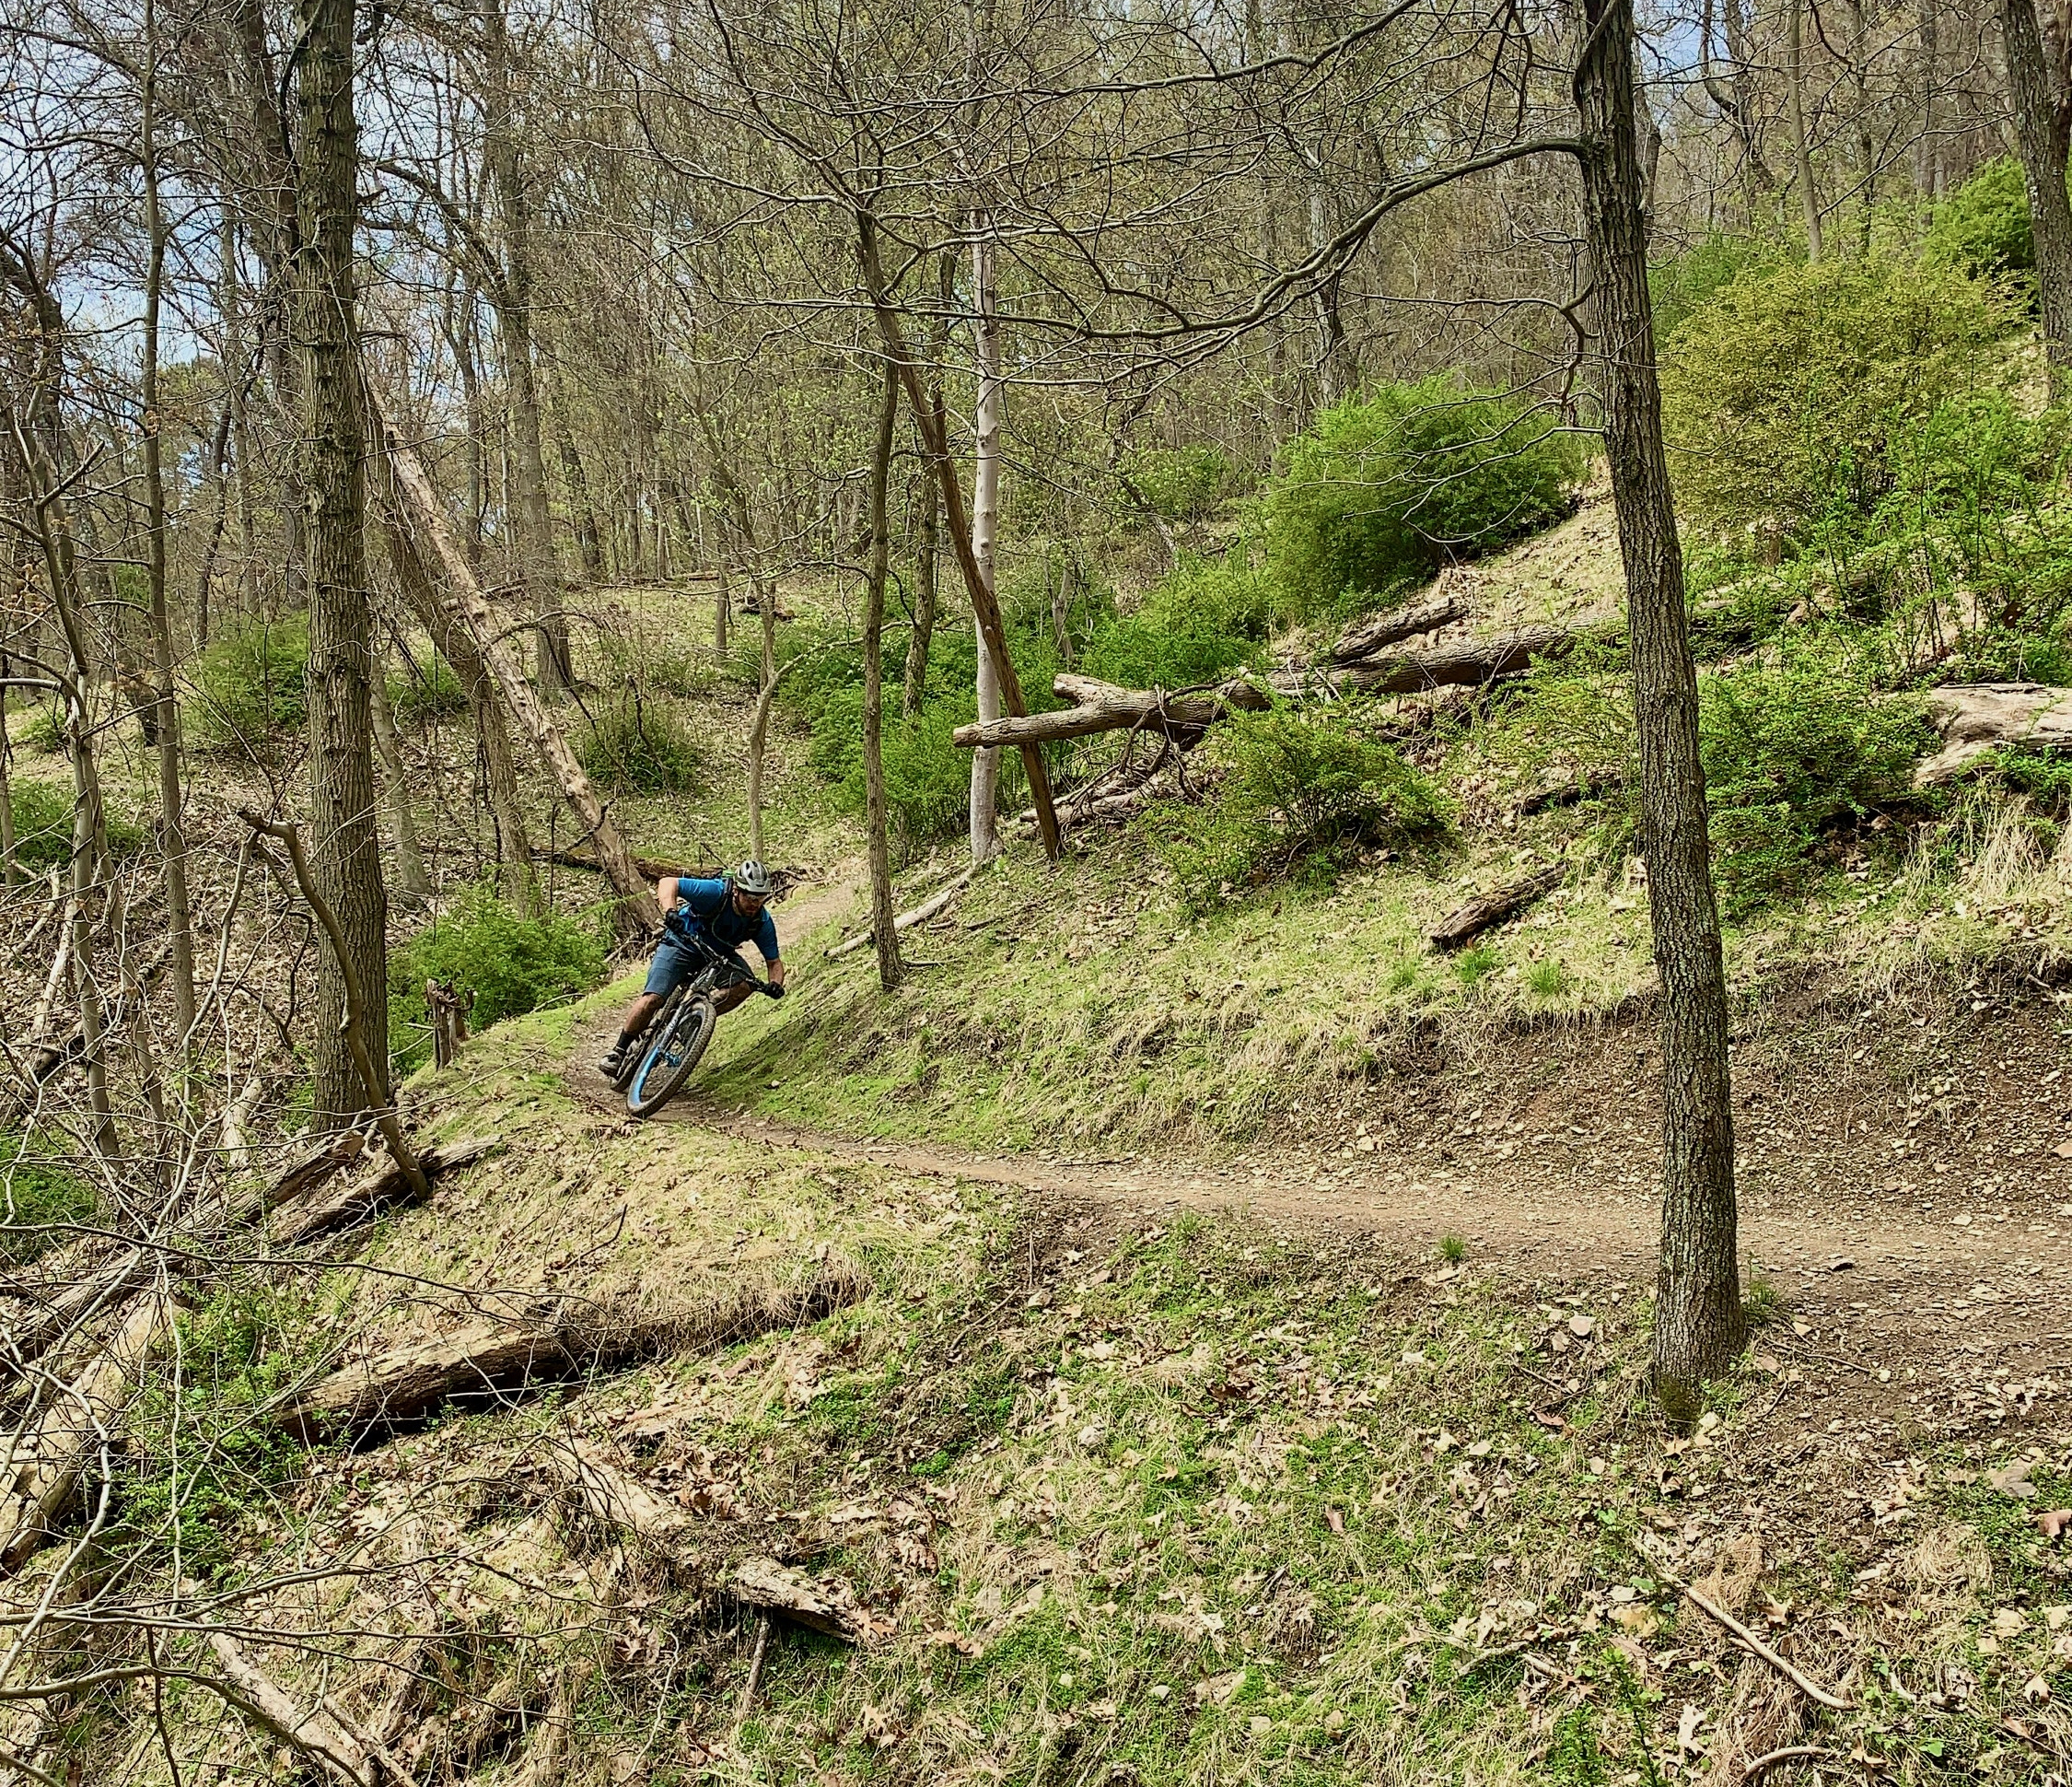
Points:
(637, 747)
(1303, 790)
(1982, 227)
(205, 1456)
(1385, 486)
(1789, 751)
(1196, 625)
(424, 692)
(1786, 397)
(927, 778)
(501, 962)
(1690, 280)
(43, 819)
(1180, 483)
(253, 682)
(40, 1197)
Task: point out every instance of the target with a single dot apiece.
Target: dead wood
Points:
(1569, 793)
(500, 1362)
(620, 1500)
(386, 1186)
(317, 1167)
(921, 914)
(323, 1734)
(75, 1297)
(1978, 718)
(771, 1587)
(1459, 664)
(1364, 637)
(43, 1466)
(1486, 911)
(1104, 707)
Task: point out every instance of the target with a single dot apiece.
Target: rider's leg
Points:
(728, 998)
(670, 966)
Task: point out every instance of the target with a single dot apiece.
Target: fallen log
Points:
(323, 1734)
(771, 1587)
(317, 1167)
(43, 1466)
(1975, 719)
(385, 1187)
(29, 1337)
(1105, 707)
(1569, 793)
(1460, 663)
(620, 1500)
(922, 913)
(1366, 636)
(1486, 911)
(499, 1363)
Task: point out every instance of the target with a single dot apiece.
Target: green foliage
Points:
(1386, 486)
(205, 1458)
(639, 747)
(1982, 227)
(40, 1197)
(252, 683)
(927, 778)
(675, 669)
(42, 818)
(1303, 790)
(502, 962)
(1789, 751)
(1688, 281)
(1180, 483)
(1196, 625)
(1787, 397)
(423, 692)
(45, 730)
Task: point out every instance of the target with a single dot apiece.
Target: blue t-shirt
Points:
(711, 904)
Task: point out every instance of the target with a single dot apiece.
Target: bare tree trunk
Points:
(722, 609)
(878, 817)
(2043, 131)
(172, 833)
(347, 868)
(759, 732)
(1927, 151)
(586, 546)
(985, 508)
(927, 586)
(219, 483)
(1801, 156)
(411, 878)
(1698, 1322)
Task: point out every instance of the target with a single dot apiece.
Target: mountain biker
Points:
(729, 911)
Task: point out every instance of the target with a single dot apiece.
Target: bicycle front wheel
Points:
(671, 1057)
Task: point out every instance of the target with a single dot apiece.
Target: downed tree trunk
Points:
(1364, 637)
(1486, 911)
(1460, 663)
(771, 1587)
(501, 1361)
(416, 504)
(1975, 719)
(27, 1337)
(922, 913)
(620, 1500)
(323, 1734)
(1104, 707)
(1569, 793)
(43, 1468)
(316, 1167)
(384, 1188)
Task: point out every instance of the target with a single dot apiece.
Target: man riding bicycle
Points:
(728, 912)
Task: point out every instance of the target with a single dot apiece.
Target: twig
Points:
(907, 920)
(1804, 1682)
(1762, 1765)
(754, 1674)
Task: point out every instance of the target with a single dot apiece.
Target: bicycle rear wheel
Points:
(669, 1059)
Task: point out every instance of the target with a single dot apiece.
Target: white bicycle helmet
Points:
(752, 878)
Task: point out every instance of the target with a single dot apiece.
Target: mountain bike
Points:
(674, 1042)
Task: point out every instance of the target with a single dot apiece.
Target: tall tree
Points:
(1698, 1323)
(324, 328)
(877, 818)
(2043, 118)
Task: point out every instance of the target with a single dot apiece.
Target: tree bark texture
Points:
(928, 584)
(2044, 133)
(878, 817)
(986, 512)
(1802, 153)
(410, 878)
(1698, 1322)
(343, 814)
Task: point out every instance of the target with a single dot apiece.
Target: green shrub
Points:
(204, 1458)
(1982, 227)
(500, 963)
(1786, 397)
(1303, 790)
(1690, 279)
(1180, 483)
(927, 778)
(638, 747)
(1386, 486)
(1196, 625)
(1789, 751)
(40, 1197)
(252, 683)
(423, 692)
(42, 818)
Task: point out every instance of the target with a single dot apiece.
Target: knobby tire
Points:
(671, 1057)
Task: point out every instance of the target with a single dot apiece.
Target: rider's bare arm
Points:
(665, 891)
